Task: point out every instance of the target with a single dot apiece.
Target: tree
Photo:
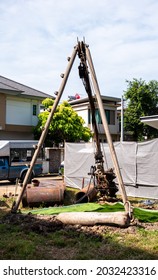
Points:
(66, 124)
(142, 100)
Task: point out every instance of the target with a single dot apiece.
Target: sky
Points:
(37, 36)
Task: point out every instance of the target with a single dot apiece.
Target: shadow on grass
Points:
(43, 237)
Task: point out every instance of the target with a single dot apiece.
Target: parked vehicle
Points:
(61, 168)
(15, 157)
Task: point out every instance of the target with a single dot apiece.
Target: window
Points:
(98, 117)
(107, 113)
(89, 116)
(24, 154)
(34, 110)
(1, 162)
(110, 116)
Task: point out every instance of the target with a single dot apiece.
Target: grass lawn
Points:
(28, 237)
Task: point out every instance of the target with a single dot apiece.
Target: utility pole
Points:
(122, 119)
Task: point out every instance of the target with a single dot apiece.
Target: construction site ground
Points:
(45, 225)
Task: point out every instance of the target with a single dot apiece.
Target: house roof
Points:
(105, 99)
(150, 120)
(11, 87)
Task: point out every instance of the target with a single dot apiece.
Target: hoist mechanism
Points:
(103, 179)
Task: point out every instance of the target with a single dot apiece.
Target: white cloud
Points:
(38, 35)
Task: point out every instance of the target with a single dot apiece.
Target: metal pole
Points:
(122, 119)
(45, 129)
(107, 132)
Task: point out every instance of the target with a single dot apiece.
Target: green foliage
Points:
(48, 102)
(66, 125)
(142, 100)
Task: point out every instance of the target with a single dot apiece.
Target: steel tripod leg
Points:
(45, 130)
(107, 133)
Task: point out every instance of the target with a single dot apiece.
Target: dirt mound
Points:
(44, 224)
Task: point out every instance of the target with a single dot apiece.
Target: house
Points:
(19, 109)
(82, 107)
(150, 120)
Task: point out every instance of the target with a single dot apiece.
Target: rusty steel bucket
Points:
(86, 194)
(45, 192)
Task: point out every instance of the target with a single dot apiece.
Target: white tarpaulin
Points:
(80, 157)
(147, 163)
(137, 162)
(78, 160)
(147, 168)
(126, 155)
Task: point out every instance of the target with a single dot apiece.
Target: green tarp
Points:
(142, 215)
